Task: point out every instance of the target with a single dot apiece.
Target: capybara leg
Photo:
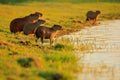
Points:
(42, 40)
(94, 22)
(89, 20)
(51, 41)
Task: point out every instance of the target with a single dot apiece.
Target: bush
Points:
(25, 62)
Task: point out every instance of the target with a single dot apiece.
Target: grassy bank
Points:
(24, 60)
(66, 14)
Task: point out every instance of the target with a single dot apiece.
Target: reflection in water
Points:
(104, 41)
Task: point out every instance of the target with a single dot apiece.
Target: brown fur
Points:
(31, 27)
(47, 33)
(92, 16)
(17, 24)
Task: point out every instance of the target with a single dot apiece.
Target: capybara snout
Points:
(41, 21)
(57, 27)
(98, 12)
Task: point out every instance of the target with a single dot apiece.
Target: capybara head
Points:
(34, 17)
(39, 14)
(41, 21)
(98, 12)
(57, 27)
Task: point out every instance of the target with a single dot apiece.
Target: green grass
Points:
(70, 1)
(45, 61)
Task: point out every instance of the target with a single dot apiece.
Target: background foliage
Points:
(72, 1)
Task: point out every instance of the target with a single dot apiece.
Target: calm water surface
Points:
(102, 60)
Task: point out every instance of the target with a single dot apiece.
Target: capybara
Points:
(92, 16)
(30, 28)
(17, 24)
(47, 33)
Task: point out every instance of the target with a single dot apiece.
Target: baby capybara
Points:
(47, 33)
(92, 15)
(17, 24)
(31, 27)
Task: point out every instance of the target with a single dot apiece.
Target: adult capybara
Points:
(92, 16)
(17, 24)
(47, 33)
(30, 28)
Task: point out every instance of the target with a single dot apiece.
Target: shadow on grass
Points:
(25, 62)
(58, 47)
(51, 76)
(4, 31)
(62, 47)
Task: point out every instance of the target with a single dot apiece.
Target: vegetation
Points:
(20, 56)
(71, 1)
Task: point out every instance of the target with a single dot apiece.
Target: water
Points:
(102, 60)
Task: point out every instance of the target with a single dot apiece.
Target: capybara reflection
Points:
(30, 28)
(92, 16)
(17, 24)
(47, 33)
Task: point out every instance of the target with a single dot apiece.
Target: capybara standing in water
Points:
(47, 33)
(31, 27)
(92, 16)
(17, 24)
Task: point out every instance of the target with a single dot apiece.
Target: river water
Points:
(101, 60)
